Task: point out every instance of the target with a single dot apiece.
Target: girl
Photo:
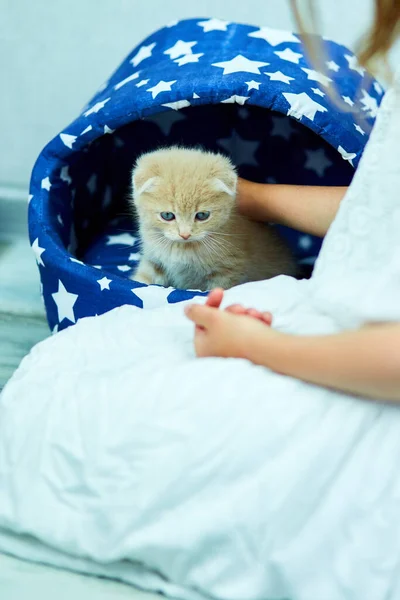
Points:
(219, 478)
(364, 360)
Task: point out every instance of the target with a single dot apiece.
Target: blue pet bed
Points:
(237, 89)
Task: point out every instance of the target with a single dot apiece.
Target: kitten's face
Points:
(183, 195)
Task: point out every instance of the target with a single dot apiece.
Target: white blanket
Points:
(223, 477)
(215, 478)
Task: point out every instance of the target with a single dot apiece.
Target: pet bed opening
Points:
(266, 146)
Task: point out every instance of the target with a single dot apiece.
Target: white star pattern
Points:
(86, 130)
(142, 83)
(124, 268)
(213, 25)
(143, 53)
(317, 161)
(68, 139)
(236, 100)
(188, 58)
(253, 85)
(152, 296)
(318, 92)
(134, 256)
(349, 156)
(162, 86)
(30, 198)
(279, 76)
(64, 175)
(282, 127)
(315, 76)
(104, 283)
(240, 64)
(107, 130)
(348, 100)
(38, 251)
(332, 66)
(180, 49)
(274, 37)
(75, 260)
(127, 239)
(301, 105)
(370, 105)
(354, 65)
(65, 302)
(177, 105)
(359, 129)
(96, 107)
(195, 96)
(289, 55)
(126, 80)
(378, 88)
(46, 184)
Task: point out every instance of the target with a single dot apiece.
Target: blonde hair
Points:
(376, 43)
(383, 33)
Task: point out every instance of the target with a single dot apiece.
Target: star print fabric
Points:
(245, 91)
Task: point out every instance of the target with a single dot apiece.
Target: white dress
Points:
(123, 455)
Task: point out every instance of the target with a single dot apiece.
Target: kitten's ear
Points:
(145, 186)
(226, 184)
(143, 181)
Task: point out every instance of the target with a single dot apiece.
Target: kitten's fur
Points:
(223, 251)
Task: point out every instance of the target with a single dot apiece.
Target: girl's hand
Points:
(235, 332)
(222, 333)
(215, 298)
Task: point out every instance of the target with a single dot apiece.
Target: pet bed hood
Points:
(185, 66)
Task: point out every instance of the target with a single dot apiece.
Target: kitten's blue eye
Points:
(202, 216)
(167, 216)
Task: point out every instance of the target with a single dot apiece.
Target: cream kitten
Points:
(192, 234)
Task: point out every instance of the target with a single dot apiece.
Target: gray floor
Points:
(22, 320)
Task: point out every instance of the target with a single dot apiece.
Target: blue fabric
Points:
(237, 89)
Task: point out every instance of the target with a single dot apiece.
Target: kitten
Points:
(192, 234)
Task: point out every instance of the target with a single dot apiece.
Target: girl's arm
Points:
(307, 208)
(364, 362)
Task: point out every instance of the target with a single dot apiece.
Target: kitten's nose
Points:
(185, 236)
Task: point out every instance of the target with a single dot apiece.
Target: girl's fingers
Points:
(267, 317)
(201, 315)
(252, 312)
(236, 309)
(239, 309)
(215, 298)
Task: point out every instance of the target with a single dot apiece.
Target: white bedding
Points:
(123, 455)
